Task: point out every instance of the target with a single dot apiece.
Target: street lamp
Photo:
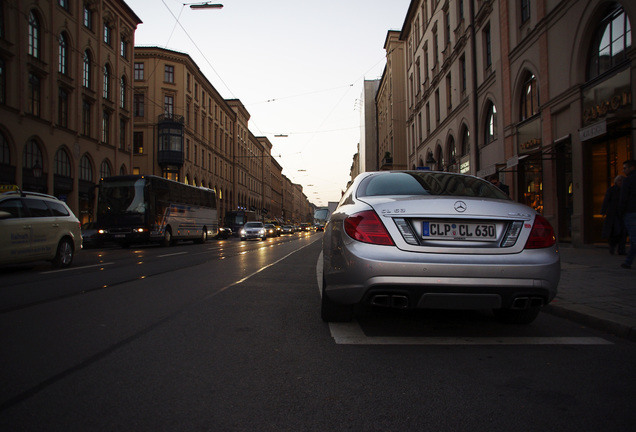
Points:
(207, 5)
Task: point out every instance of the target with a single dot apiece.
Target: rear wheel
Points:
(204, 236)
(331, 311)
(517, 316)
(65, 253)
(167, 237)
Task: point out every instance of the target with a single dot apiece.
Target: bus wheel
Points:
(167, 237)
(204, 236)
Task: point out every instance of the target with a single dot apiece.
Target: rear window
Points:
(428, 183)
(58, 209)
(253, 225)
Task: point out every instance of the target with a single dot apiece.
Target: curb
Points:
(617, 325)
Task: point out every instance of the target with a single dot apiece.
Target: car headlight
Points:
(242, 231)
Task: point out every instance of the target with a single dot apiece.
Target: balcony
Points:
(170, 140)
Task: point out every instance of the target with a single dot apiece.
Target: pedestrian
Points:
(504, 187)
(613, 226)
(628, 209)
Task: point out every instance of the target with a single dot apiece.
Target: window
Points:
(168, 105)
(31, 155)
(123, 49)
(465, 143)
(138, 142)
(529, 98)
(462, 66)
(491, 124)
(525, 11)
(34, 95)
(62, 108)
(3, 83)
(168, 75)
(62, 66)
(88, 17)
(86, 118)
(487, 48)
(138, 105)
(86, 169)
(106, 128)
(106, 93)
(139, 71)
(63, 4)
(107, 35)
(5, 154)
(34, 36)
(2, 20)
(449, 94)
(86, 70)
(62, 164)
(122, 92)
(123, 126)
(613, 40)
(104, 169)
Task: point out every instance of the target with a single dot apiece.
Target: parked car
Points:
(438, 240)
(287, 229)
(35, 227)
(253, 230)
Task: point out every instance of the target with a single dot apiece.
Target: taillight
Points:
(542, 234)
(368, 228)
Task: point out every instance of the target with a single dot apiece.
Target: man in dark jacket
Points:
(628, 209)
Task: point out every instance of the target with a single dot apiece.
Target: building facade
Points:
(539, 94)
(66, 73)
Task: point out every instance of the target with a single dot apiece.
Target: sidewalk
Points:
(595, 291)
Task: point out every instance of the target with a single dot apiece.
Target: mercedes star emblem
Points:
(460, 206)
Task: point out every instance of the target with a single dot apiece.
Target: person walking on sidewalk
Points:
(628, 209)
(613, 227)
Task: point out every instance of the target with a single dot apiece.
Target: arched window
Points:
(452, 156)
(529, 98)
(104, 169)
(62, 163)
(122, 170)
(86, 75)
(491, 124)
(465, 142)
(62, 55)
(611, 43)
(5, 153)
(106, 94)
(34, 36)
(86, 169)
(32, 155)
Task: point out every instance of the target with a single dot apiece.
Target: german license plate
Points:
(459, 231)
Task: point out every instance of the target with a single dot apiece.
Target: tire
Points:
(167, 238)
(204, 236)
(517, 316)
(65, 253)
(331, 311)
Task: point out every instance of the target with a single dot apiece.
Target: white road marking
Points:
(172, 254)
(77, 268)
(352, 334)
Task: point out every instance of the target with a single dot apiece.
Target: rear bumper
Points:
(442, 281)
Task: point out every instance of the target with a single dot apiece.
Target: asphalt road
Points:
(226, 336)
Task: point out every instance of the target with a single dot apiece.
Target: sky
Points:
(298, 67)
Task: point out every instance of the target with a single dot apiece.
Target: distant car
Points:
(35, 227)
(436, 240)
(287, 229)
(224, 233)
(253, 230)
(270, 229)
(320, 227)
(91, 236)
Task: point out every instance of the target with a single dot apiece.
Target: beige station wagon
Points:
(35, 227)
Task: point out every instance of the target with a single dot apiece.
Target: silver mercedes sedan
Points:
(436, 240)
